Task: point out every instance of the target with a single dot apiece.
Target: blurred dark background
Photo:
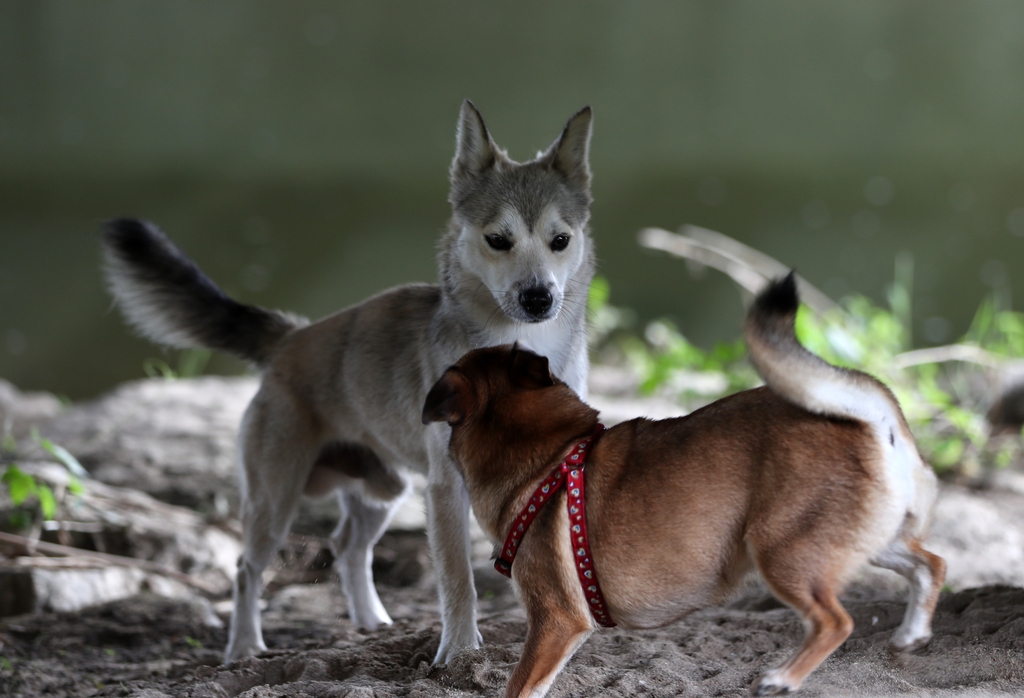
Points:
(299, 151)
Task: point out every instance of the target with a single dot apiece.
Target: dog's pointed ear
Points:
(449, 400)
(475, 151)
(570, 154)
(530, 370)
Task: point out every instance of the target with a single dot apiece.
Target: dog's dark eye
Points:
(498, 242)
(560, 243)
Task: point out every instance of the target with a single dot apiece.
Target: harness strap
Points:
(570, 471)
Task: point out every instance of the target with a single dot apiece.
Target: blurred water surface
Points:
(299, 151)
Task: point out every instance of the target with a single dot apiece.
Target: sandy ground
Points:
(152, 646)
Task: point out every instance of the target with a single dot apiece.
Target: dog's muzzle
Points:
(536, 302)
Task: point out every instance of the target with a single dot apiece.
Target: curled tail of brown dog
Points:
(802, 377)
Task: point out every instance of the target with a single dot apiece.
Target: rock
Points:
(19, 411)
(132, 524)
(176, 440)
(38, 584)
(173, 439)
(981, 538)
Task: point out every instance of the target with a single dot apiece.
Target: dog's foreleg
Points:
(448, 529)
(549, 645)
(926, 573)
(361, 525)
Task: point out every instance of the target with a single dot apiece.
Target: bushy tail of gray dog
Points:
(803, 377)
(167, 298)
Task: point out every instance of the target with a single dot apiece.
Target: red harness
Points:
(571, 472)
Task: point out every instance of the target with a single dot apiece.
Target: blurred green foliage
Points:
(24, 489)
(191, 363)
(21, 486)
(941, 395)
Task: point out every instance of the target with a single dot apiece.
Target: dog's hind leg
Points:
(827, 622)
(361, 525)
(925, 572)
(278, 451)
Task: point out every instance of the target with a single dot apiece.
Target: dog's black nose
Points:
(536, 301)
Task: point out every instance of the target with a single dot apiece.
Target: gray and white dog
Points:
(338, 409)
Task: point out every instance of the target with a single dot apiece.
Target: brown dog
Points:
(806, 479)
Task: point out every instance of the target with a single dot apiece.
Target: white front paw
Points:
(454, 642)
(239, 650)
(370, 618)
(773, 683)
(908, 641)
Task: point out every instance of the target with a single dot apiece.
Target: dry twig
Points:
(749, 268)
(119, 560)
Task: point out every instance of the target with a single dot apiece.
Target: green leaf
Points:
(75, 487)
(1006, 454)
(984, 317)
(929, 389)
(947, 453)
(810, 332)
(729, 352)
(19, 519)
(47, 502)
(158, 368)
(61, 454)
(192, 362)
(20, 484)
(600, 292)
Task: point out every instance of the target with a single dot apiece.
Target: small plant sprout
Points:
(191, 363)
(158, 368)
(602, 317)
(62, 455)
(21, 486)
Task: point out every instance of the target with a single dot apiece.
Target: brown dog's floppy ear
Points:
(530, 370)
(448, 401)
